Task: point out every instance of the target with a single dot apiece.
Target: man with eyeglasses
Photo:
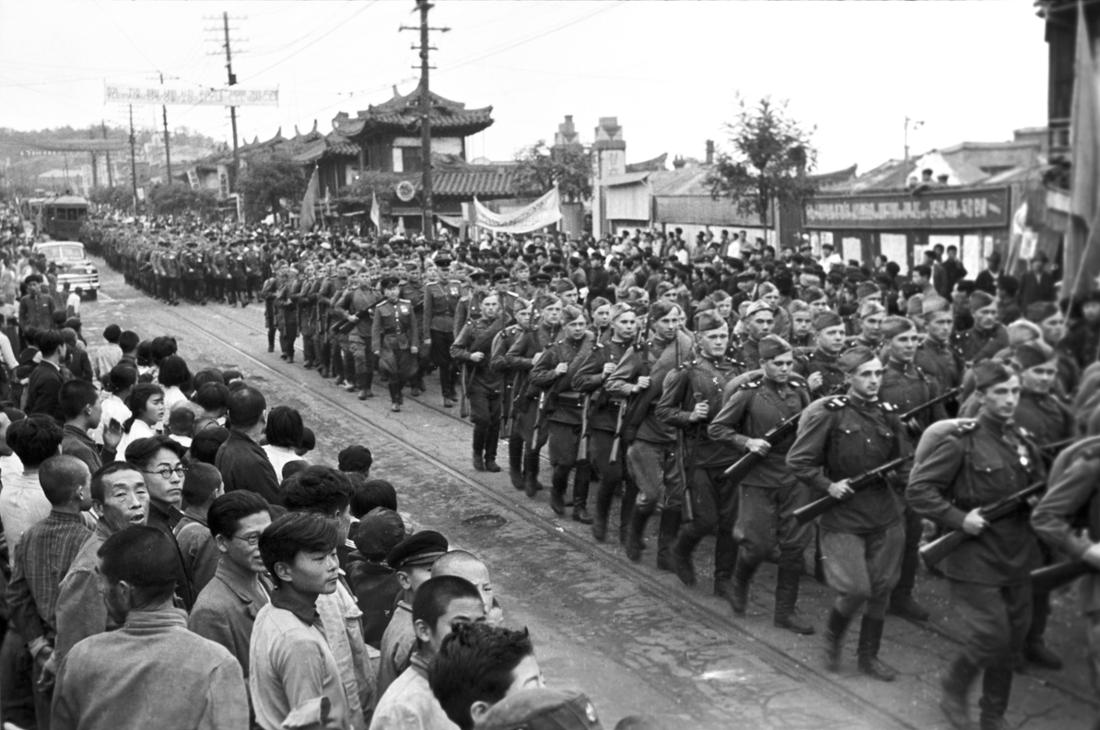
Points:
(159, 459)
(226, 608)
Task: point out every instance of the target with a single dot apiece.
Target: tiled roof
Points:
(496, 181)
(403, 112)
(333, 144)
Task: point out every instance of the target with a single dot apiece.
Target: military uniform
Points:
(705, 458)
(359, 302)
(747, 352)
(286, 315)
(484, 388)
(769, 492)
(440, 300)
(943, 362)
(510, 391)
(520, 358)
(962, 465)
(395, 334)
(832, 377)
(563, 417)
(976, 344)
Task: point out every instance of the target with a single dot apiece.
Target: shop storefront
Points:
(901, 225)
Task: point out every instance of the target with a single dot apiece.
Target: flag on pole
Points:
(375, 212)
(1081, 262)
(309, 201)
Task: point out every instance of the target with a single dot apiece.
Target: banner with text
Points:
(230, 96)
(970, 208)
(543, 212)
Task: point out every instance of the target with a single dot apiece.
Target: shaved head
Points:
(468, 566)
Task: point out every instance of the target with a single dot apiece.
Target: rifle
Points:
(944, 545)
(464, 400)
(346, 326)
(508, 404)
(616, 443)
(737, 471)
(1049, 577)
(582, 446)
(857, 484)
(540, 414)
(942, 397)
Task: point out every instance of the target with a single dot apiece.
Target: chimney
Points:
(710, 151)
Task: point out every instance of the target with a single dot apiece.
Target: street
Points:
(633, 638)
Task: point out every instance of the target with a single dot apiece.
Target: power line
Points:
(315, 40)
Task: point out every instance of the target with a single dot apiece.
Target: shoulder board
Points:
(965, 425)
(1024, 432)
(836, 403)
(796, 383)
(751, 384)
(888, 407)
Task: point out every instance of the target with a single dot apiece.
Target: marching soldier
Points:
(191, 272)
(938, 355)
(822, 374)
(441, 296)
(307, 315)
(521, 358)
(484, 385)
(769, 491)
(170, 267)
(355, 306)
(605, 418)
(236, 282)
(988, 336)
(905, 386)
(219, 275)
(268, 293)
(862, 536)
(758, 322)
(286, 312)
(871, 313)
(563, 415)
(691, 398)
(468, 305)
(522, 311)
(395, 334)
(961, 466)
(651, 451)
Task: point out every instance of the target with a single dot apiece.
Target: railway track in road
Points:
(689, 603)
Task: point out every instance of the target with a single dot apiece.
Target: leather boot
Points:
(681, 555)
(639, 516)
(666, 535)
(1035, 649)
(835, 629)
(996, 687)
(479, 462)
(870, 637)
(580, 493)
(515, 462)
(559, 482)
(626, 509)
(531, 474)
(955, 700)
(786, 598)
(742, 577)
(603, 507)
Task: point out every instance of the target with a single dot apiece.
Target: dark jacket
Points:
(244, 465)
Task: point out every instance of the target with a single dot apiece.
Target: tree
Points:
(541, 166)
(118, 197)
(771, 156)
(268, 179)
(180, 199)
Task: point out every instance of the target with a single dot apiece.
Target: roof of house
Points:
(483, 181)
(402, 113)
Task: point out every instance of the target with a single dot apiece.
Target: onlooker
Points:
(181, 425)
(201, 486)
(356, 458)
(117, 679)
(160, 460)
(22, 503)
(107, 355)
(175, 377)
(470, 567)
(240, 459)
(408, 703)
(284, 434)
(542, 709)
(205, 444)
(479, 665)
(120, 497)
(44, 385)
(374, 583)
(82, 412)
(146, 404)
(292, 669)
(213, 398)
(42, 558)
(226, 608)
(412, 558)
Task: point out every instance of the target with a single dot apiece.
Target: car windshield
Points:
(63, 252)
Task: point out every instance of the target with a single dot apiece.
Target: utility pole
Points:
(95, 161)
(232, 110)
(110, 173)
(427, 224)
(167, 151)
(133, 160)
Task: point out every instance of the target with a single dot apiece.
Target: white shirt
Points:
(280, 456)
(73, 302)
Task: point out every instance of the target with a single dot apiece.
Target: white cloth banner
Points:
(543, 212)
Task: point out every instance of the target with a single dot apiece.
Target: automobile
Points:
(73, 266)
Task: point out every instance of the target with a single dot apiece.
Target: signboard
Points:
(230, 96)
(953, 209)
(405, 190)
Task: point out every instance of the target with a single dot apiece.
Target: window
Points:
(410, 159)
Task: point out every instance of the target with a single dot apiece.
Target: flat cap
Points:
(853, 357)
(990, 372)
(420, 548)
(894, 326)
(377, 533)
(773, 346)
(542, 709)
(825, 320)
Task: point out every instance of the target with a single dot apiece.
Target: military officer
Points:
(484, 385)
(395, 334)
(962, 465)
(355, 306)
(862, 536)
(441, 296)
(769, 492)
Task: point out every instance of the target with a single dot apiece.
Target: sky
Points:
(671, 71)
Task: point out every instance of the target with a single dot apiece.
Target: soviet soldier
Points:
(819, 368)
(484, 385)
(395, 336)
(441, 296)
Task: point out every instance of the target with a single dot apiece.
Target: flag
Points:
(375, 212)
(1081, 257)
(309, 201)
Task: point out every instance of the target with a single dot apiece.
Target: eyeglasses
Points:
(252, 540)
(166, 472)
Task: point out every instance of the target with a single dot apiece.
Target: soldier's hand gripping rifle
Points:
(944, 545)
(857, 484)
(737, 471)
(346, 326)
